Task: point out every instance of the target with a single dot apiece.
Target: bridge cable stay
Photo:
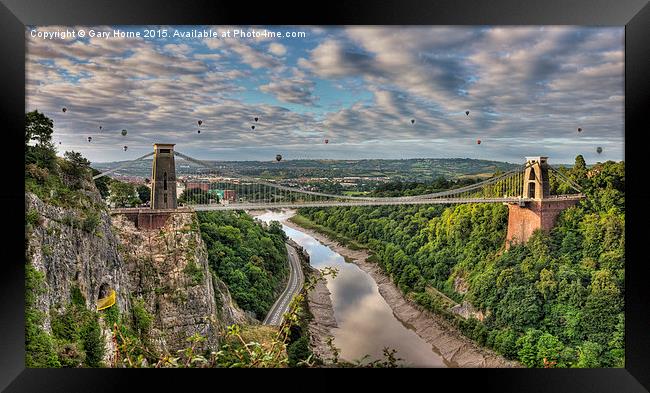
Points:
(286, 192)
(124, 165)
(562, 176)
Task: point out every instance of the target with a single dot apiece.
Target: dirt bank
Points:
(455, 348)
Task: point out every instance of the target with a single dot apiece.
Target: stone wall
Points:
(540, 214)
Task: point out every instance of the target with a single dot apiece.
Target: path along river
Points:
(366, 323)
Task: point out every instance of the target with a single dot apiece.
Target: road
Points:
(294, 285)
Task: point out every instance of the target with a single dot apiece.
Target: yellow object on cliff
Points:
(107, 301)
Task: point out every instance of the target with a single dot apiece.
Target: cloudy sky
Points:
(528, 90)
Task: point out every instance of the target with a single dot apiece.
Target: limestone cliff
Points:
(167, 269)
(71, 252)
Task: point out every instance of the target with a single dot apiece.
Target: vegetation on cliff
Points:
(250, 258)
(556, 301)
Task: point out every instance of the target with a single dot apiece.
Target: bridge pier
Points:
(537, 214)
(541, 209)
(148, 218)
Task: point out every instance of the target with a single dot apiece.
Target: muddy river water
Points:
(366, 323)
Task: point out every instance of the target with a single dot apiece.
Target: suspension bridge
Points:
(180, 180)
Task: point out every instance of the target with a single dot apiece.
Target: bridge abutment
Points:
(538, 214)
(148, 218)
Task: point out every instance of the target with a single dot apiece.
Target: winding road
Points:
(294, 285)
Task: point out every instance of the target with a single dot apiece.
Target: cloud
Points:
(527, 90)
(296, 89)
(277, 49)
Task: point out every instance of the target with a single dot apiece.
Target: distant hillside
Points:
(420, 169)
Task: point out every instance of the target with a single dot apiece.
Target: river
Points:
(366, 323)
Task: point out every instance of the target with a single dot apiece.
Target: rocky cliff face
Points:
(167, 269)
(72, 252)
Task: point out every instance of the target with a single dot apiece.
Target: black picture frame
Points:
(633, 14)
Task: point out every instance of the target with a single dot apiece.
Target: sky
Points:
(528, 90)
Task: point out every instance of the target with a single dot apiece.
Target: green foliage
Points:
(111, 315)
(32, 217)
(71, 355)
(144, 193)
(298, 351)
(194, 272)
(102, 184)
(39, 129)
(197, 196)
(123, 194)
(78, 334)
(544, 299)
(57, 181)
(76, 297)
(40, 351)
(142, 320)
(90, 223)
(92, 340)
(249, 258)
(74, 169)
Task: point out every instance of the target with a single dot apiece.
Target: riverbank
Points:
(456, 349)
(319, 302)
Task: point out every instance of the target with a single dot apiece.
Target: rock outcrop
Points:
(167, 269)
(71, 253)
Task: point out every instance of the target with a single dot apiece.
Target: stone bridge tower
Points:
(163, 177)
(541, 209)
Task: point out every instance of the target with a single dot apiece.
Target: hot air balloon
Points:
(100, 128)
(59, 143)
(278, 157)
(327, 141)
(599, 150)
(478, 141)
(64, 109)
(125, 147)
(198, 131)
(253, 127)
(467, 113)
(579, 129)
(124, 132)
(256, 119)
(412, 121)
(90, 138)
(200, 122)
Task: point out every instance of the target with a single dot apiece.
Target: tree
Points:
(579, 170)
(144, 193)
(39, 129)
(102, 184)
(195, 195)
(589, 355)
(74, 169)
(123, 194)
(602, 307)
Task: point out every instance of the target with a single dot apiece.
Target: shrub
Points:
(32, 217)
(93, 342)
(194, 272)
(298, 351)
(70, 355)
(90, 222)
(142, 320)
(39, 346)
